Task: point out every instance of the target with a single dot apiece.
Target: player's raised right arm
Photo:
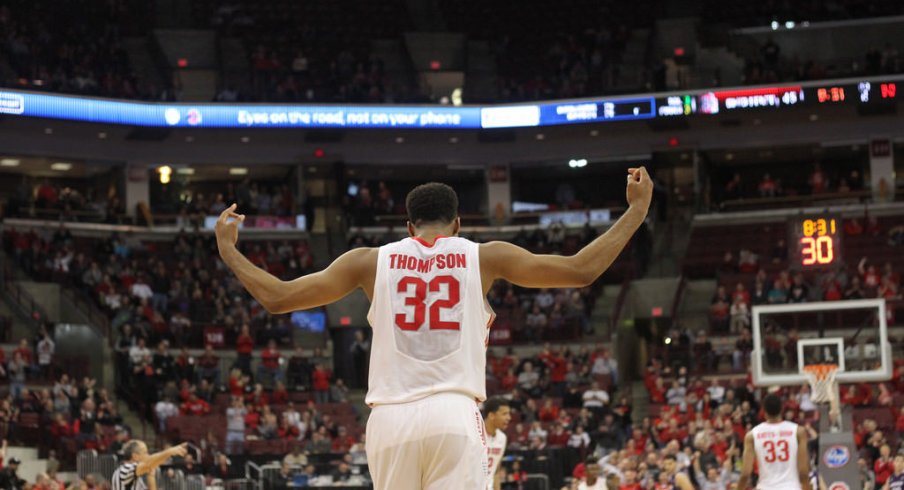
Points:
(501, 260)
(342, 277)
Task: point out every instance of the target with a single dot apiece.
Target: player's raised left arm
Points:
(501, 260)
(803, 459)
(343, 276)
(747, 462)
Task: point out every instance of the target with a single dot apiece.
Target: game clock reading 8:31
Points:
(814, 241)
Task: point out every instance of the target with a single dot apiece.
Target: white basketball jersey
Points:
(776, 455)
(430, 322)
(495, 451)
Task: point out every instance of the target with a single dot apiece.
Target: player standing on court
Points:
(497, 416)
(896, 480)
(431, 322)
(780, 450)
(139, 463)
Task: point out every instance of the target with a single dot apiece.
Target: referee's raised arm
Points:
(137, 463)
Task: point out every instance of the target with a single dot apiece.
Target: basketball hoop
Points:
(824, 389)
(822, 382)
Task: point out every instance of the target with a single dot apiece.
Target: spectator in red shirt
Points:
(558, 368)
(268, 369)
(630, 482)
(508, 382)
(280, 395)
(343, 442)
(549, 412)
(258, 397)
(321, 384)
(252, 418)
(884, 465)
(243, 347)
(25, 351)
(558, 437)
(237, 382)
(195, 406)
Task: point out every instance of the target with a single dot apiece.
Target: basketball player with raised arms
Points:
(431, 321)
(497, 416)
(780, 450)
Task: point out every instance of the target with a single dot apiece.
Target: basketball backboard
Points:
(852, 334)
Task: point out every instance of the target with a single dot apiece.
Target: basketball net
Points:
(824, 389)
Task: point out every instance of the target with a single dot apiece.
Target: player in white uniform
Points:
(497, 415)
(431, 324)
(780, 450)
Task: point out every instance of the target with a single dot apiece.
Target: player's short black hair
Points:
(772, 405)
(432, 202)
(492, 405)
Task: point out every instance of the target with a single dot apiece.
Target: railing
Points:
(250, 467)
(167, 481)
(24, 301)
(89, 462)
(537, 481)
(194, 482)
(760, 203)
(98, 320)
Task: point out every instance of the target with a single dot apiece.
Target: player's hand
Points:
(640, 188)
(180, 451)
(227, 227)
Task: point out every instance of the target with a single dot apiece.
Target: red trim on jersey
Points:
(424, 242)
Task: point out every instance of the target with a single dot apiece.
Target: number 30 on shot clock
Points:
(815, 241)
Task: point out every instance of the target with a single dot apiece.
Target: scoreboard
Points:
(814, 241)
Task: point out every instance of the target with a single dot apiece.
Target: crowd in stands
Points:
(253, 198)
(162, 290)
(55, 199)
(703, 424)
(363, 203)
(303, 53)
(43, 50)
(831, 179)
(312, 52)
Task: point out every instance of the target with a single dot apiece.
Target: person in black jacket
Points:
(9, 479)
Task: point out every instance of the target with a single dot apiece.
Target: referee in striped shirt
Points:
(139, 463)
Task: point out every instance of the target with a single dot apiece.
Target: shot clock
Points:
(814, 241)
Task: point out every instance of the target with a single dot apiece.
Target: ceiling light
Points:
(48, 130)
(453, 139)
(185, 171)
(9, 162)
(165, 173)
(400, 140)
(245, 139)
(540, 136)
(238, 171)
(594, 132)
(577, 163)
(102, 135)
(61, 166)
(189, 139)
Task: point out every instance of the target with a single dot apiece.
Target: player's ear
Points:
(410, 229)
(456, 226)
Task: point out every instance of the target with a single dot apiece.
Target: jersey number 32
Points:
(415, 291)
